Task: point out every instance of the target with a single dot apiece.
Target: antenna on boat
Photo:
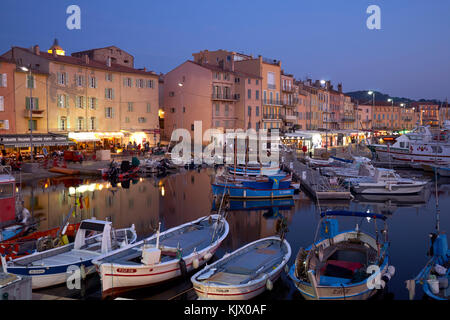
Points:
(157, 235)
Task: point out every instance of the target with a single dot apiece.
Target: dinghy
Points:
(348, 265)
(163, 256)
(435, 276)
(244, 273)
(51, 267)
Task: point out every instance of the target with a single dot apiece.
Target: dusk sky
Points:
(328, 39)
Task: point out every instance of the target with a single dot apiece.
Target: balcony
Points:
(225, 97)
(272, 117)
(35, 113)
(348, 118)
(272, 102)
(290, 117)
(289, 104)
(287, 89)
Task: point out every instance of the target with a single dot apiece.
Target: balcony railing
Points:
(272, 116)
(35, 113)
(272, 102)
(348, 118)
(287, 89)
(226, 97)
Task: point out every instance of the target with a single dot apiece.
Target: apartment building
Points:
(89, 100)
(7, 102)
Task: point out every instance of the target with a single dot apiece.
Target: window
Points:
(184, 109)
(79, 80)
(109, 112)
(217, 124)
(249, 111)
(92, 122)
(80, 123)
(257, 81)
(172, 110)
(150, 84)
(130, 106)
(139, 83)
(93, 82)
(3, 79)
(80, 102)
(237, 80)
(249, 93)
(217, 109)
(257, 111)
(271, 80)
(32, 123)
(226, 110)
(127, 82)
(33, 103)
(249, 81)
(4, 124)
(31, 82)
(92, 103)
(109, 77)
(62, 78)
(171, 94)
(142, 120)
(257, 94)
(109, 93)
(2, 103)
(148, 108)
(63, 124)
(127, 119)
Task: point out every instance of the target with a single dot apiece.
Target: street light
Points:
(392, 117)
(322, 82)
(25, 69)
(182, 107)
(372, 93)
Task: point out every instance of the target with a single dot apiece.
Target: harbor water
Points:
(185, 196)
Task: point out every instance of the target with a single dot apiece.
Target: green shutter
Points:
(36, 107)
(106, 93)
(27, 103)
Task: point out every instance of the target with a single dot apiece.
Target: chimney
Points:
(108, 62)
(86, 59)
(36, 50)
(328, 85)
(340, 87)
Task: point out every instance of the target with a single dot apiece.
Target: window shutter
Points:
(95, 82)
(66, 97)
(1, 80)
(106, 112)
(27, 103)
(2, 101)
(66, 78)
(58, 76)
(36, 107)
(4, 81)
(112, 77)
(112, 112)
(112, 93)
(106, 93)
(125, 82)
(6, 124)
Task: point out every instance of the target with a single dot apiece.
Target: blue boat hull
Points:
(235, 191)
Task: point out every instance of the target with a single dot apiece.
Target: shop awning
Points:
(39, 140)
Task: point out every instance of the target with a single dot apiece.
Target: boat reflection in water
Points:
(388, 204)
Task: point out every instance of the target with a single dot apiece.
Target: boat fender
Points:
(269, 284)
(286, 268)
(207, 256)
(391, 270)
(183, 268)
(83, 272)
(195, 263)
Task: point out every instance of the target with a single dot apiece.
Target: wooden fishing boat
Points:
(253, 171)
(50, 267)
(163, 256)
(435, 276)
(348, 265)
(64, 171)
(244, 273)
(26, 245)
(12, 231)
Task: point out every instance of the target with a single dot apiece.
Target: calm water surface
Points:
(186, 196)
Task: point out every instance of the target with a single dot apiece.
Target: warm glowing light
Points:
(161, 113)
(58, 52)
(163, 192)
(138, 137)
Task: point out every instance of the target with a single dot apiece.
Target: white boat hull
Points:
(382, 189)
(116, 278)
